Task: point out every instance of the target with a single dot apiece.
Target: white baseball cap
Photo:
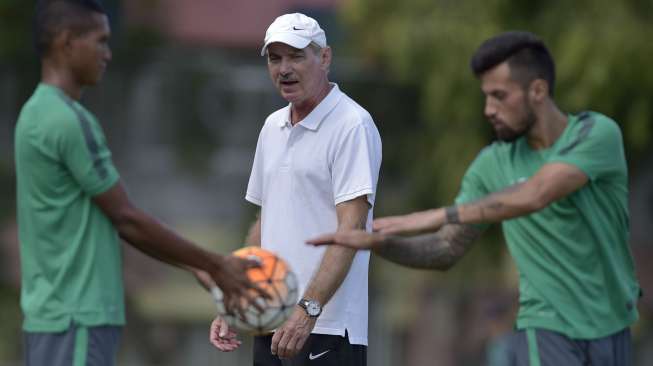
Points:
(296, 30)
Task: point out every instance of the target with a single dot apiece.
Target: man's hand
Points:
(230, 275)
(414, 223)
(289, 339)
(355, 239)
(222, 337)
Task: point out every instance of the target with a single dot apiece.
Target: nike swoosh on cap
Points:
(295, 28)
(313, 357)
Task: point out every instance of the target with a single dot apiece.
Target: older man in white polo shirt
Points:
(316, 169)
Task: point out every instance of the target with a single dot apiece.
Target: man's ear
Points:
(61, 42)
(325, 58)
(538, 90)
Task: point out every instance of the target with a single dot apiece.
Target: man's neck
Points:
(550, 124)
(61, 78)
(299, 111)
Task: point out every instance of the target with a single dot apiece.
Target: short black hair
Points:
(526, 54)
(52, 16)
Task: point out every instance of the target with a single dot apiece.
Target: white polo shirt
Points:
(300, 173)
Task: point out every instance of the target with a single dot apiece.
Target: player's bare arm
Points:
(551, 183)
(290, 338)
(151, 237)
(440, 250)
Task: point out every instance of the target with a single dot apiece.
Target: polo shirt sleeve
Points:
(596, 148)
(355, 170)
(83, 149)
(473, 186)
(255, 186)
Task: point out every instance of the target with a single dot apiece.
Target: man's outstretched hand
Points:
(355, 239)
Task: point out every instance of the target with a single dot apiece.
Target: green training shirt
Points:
(576, 273)
(70, 254)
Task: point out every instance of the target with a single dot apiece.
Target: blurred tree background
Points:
(407, 62)
(602, 50)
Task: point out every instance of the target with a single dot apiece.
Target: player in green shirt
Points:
(72, 207)
(558, 184)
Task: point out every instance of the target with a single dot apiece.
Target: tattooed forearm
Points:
(440, 250)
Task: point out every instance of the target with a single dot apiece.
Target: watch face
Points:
(312, 308)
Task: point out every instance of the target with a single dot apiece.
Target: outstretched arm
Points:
(151, 237)
(440, 250)
(552, 182)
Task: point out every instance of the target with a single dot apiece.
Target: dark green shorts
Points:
(77, 346)
(539, 347)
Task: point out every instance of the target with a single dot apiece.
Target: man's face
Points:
(297, 73)
(89, 52)
(507, 106)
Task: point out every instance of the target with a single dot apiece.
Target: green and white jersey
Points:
(576, 273)
(70, 254)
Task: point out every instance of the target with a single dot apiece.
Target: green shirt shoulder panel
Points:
(595, 145)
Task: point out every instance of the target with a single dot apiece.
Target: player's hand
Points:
(222, 337)
(355, 239)
(230, 275)
(289, 339)
(413, 223)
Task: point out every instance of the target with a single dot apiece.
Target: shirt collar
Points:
(49, 88)
(317, 115)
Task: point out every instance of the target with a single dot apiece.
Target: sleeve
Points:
(83, 149)
(355, 169)
(473, 186)
(254, 192)
(596, 148)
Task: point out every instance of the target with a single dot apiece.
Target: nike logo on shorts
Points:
(312, 357)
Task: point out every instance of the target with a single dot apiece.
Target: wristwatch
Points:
(312, 307)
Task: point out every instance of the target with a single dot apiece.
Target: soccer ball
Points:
(274, 277)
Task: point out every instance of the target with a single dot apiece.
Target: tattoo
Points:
(491, 206)
(440, 250)
(452, 215)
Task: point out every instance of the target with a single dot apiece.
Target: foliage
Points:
(15, 30)
(10, 319)
(600, 47)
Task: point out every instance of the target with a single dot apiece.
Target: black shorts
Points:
(539, 347)
(319, 350)
(77, 346)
